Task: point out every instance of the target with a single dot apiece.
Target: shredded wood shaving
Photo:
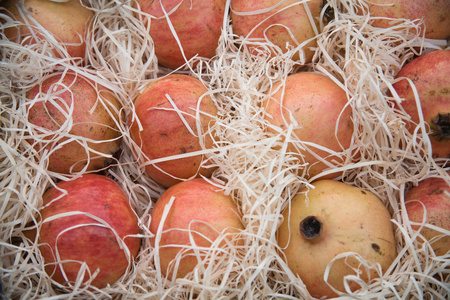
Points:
(254, 165)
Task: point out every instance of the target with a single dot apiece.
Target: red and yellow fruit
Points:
(92, 224)
(69, 22)
(315, 105)
(198, 26)
(429, 203)
(200, 211)
(67, 106)
(330, 219)
(166, 131)
(285, 23)
(430, 74)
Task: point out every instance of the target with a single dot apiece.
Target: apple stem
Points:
(311, 227)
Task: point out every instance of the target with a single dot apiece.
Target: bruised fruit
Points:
(329, 219)
(76, 120)
(200, 212)
(430, 74)
(168, 111)
(429, 202)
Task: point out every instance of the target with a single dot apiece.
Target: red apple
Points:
(198, 26)
(200, 207)
(430, 74)
(434, 13)
(431, 195)
(94, 117)
(88, 220)
(164, 133)
(280, 24)
(69, 21)
(330, 219)
(316, 103)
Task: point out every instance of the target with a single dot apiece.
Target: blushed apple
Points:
(69, 21)
(93, 224)
(94, 118)
(430, 74)
(433, 196)
(329, 219)
(198, 26)
(204, 210)
(316, 103)
(164, 132)
(285, 24)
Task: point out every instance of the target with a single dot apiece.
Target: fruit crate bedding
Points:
(254, 165)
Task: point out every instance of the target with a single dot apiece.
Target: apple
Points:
(316, 103)
(329, 219)
(431, 195)
(430, 74)
(285, 25)
(95, 118)
(198, 26)
(201, 211)
(87, 220)
(434, 13)
(164, 133)
(69, 21)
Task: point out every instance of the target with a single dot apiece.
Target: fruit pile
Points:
(224, 149)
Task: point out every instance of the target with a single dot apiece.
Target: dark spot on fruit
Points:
(440, 127)
(107, 206)
(30, 10)
(183, 150)
(163, 134)
(436, 191)
(310, 227)
(376, 247)
(91, 128)
(364, 192)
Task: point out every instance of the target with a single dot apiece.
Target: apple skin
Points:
(95, 124)
(433, 194)
(353, 220)
(68, 21)
(294, 17)
(195, 200)
(164, 133)
(315, 102)
(435, 14)
(198, 25)
(102, 197)
(430, 74)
